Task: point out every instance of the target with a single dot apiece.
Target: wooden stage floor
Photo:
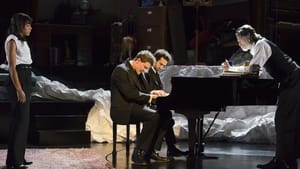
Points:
(228, 156)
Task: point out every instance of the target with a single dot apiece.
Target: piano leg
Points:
(196, 142)
(192, 135)
(199, 134)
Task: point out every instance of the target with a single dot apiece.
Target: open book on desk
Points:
(239, 71)
(229, 73)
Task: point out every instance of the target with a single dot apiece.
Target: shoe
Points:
(277, 164)
(155, 156)
(27, 162)
(22, 166)
(175, 152)
(139, 157)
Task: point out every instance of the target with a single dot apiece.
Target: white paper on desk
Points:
(240, 69)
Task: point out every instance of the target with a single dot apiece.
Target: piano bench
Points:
(114, 152)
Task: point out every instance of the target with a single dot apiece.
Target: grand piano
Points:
(196, 96)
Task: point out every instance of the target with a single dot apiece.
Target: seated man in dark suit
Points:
(152, 81)
(129, 105)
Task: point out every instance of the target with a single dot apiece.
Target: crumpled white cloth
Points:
(98, 120)
(249, 124)
(187, 71)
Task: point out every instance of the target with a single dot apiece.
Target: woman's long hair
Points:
(17, 24)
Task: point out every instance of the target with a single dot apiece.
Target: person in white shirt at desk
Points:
(286, 72)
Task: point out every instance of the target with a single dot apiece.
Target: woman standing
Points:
(19, 88)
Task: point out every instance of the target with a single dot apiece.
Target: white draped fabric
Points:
(253, 124)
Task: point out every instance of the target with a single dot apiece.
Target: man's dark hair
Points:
(145, 56)
(162, 53)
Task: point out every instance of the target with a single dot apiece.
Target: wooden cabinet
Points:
(59, 45)
(152, 29)
(284, 25)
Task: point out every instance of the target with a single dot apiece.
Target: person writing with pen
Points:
(268, 56)
(238, 58)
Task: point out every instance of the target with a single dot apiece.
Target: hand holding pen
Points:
(226, 65)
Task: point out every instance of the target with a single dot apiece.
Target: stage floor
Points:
(228, 156)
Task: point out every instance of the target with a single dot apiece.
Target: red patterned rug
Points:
(67, 158)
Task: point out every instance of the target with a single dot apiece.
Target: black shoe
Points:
(139, 157)
(277, 164)
(27, 162)
(155, 156)
(22, 166)
(174, 152)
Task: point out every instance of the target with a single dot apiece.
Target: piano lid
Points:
(205, 94)
(215, 93)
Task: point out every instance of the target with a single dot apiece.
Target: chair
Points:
(114, 152)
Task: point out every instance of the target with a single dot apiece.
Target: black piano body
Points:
(196, 96)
